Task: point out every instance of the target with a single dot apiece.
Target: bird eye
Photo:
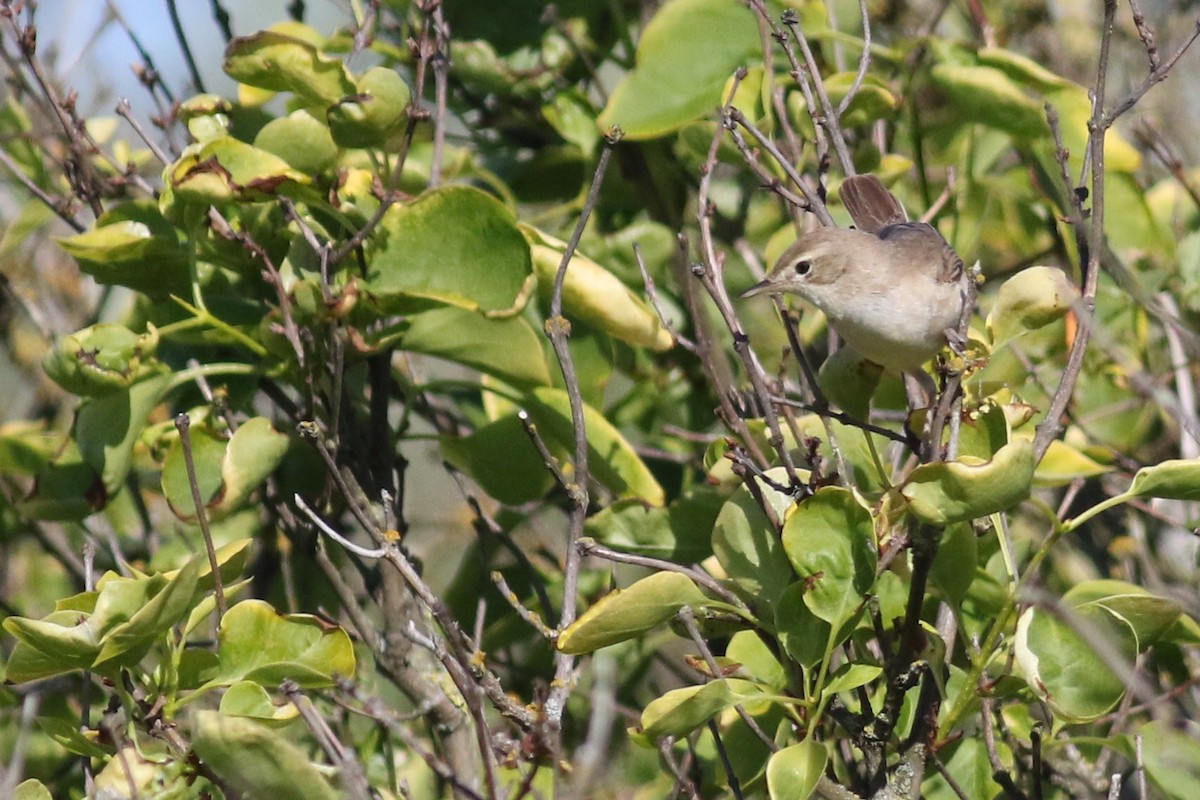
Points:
(802, 267)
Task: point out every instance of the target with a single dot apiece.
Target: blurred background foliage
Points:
(419, 347)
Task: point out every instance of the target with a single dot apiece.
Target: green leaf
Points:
(680, 711)
(248, 699)
(282, 63)
(1063, 464)
(794, 771)
(454, 245)
(686, 54)
(208, 453)
(53, 645)
(253, 453)
(127, 642)
(106, 428)
(680, 532)
(987, 96)
(225, 169)
(1171, 757)
(256, 643)
(1031, 299)
(100, 358)
(611, 458)
(969, 766)
(500, 457)
(595, 295)
(955, 565)
(849, 381)
(966, 489)
(32, 789)
(226, 471)
(1063, 669)
(748, 649)
(300, 139)
(133, 245)
(115, 625)
(851, 676)
(623, 614)
(507, 348)
(748, 547)
(1150, 616)
(68, 736)
(1176, 479)
(830, 541)
(1074, 106)
(255, 759)
(1021, 68)
(375, 113)
(806, 638)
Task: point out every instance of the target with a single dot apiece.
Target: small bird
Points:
(893, 289)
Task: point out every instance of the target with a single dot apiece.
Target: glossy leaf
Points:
(747, 546)
(226, 471)
(748, 649)
(851, 676)
(227, 169)
(128, 641)
(132, 245)
(451, 246)
(68, 736)
(300, 139)
(100, 358)
(253, 453)
(956, 563)
(611, 458)
(113, 626)
(1171, 756)
(849, 381)
(56, 644)
(31, 789)
(107, 428)
(680, 711)
(830, 541)
(959, 491)
(1176, 479)
(987, 96)
(1063, 464)
(255, 759)
(593, 294)
(507, 348)
(500, 457)
(249, 699)
(373, 114)
(1029, 300)
(1021, 68)
(806, 638)
(793, 772)
(1063, 668)
(681, 532)
(685, 55)
(282, 63)
(626, 613)
(257, 643)
(1148, 615)
(1074, 107)
(208, 452)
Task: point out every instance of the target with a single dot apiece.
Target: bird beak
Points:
(762, 287)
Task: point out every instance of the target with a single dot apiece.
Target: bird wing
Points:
(871, 205)
(915, 236)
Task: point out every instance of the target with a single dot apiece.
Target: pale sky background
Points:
(92, 52)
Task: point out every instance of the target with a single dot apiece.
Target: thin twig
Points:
(183, 424)
(558, 329)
